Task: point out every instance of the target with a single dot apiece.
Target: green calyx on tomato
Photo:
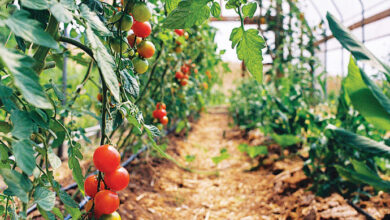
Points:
(118, 45)
(141, 12)
(140, 65)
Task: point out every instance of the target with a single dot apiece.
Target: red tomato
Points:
(185, 69)
(118, 179)
(186, 77)
(184, 82)
(164, 120)
(161, 113)
(106, 158)
(160, 105)
(91, 185)
(88, 206)
(131, 39)
(196, 71)
(179, 75)
(179, 32)
(155, 113)
(142, 29)
(146, 49)
(106, 202)
(99, 97)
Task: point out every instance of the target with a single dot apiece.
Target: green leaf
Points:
(23, 126)
(61, 13)
(26, 80)
(45, 198)
(223, 156)
(36, 4)
(67, 200)
(24, 155)
(216, 9)
(254, 151)
(152, 130)
(357, 177)
(285, 140)
(130, 83)
(367, 98)
(22, 26)
(359, 142)
(249, 45)
(362, 168)
(187, 14)
(349, 42)
(74, 212)
(93, 20)
(58, 213)
(74, 165)
(105, 62)
(171, 4)
(54, 160)
(249, 9)
(18, 184)
(190, 158)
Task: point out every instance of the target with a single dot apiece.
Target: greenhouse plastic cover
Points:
(377, 34)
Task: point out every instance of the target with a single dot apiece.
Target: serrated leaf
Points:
(67, 200)
(24, 155)
(44, 198)
(18, 184)
(105, 62)
(93, 20)
(187, 14)
(130, 83)
(249, 50)
(60, 12)
(36, 4)
(359, 142)
(249, 9)
(358, 50)
(367, 98)
(21, 25)
(25, 78)
(216, 9)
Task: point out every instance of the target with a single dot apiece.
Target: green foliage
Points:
(253, 151)
(223, 155)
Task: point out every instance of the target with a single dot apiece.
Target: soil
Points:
(161, 190)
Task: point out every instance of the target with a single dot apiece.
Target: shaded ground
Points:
(160, 190)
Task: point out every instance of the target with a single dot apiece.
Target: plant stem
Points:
(42, 51)
(77, 44)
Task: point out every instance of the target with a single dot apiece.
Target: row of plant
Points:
(342, 139)
(134, 66)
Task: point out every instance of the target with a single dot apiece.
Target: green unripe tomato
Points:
(125, 24)
(141, 12)
(116, 45)
(112, 216)
(140, 65)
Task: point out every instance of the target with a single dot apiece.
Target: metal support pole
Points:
(342, 49)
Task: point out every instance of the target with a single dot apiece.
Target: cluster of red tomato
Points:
(180, 32)
(161, 113)
(105, 200)
(137, 21)
(183, 75)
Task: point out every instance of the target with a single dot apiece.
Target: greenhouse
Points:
(194, 109)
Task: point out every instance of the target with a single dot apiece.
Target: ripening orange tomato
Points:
(131, 39)
(146, 49)
(164, 120)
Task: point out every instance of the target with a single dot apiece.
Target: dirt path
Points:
(161, 190)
